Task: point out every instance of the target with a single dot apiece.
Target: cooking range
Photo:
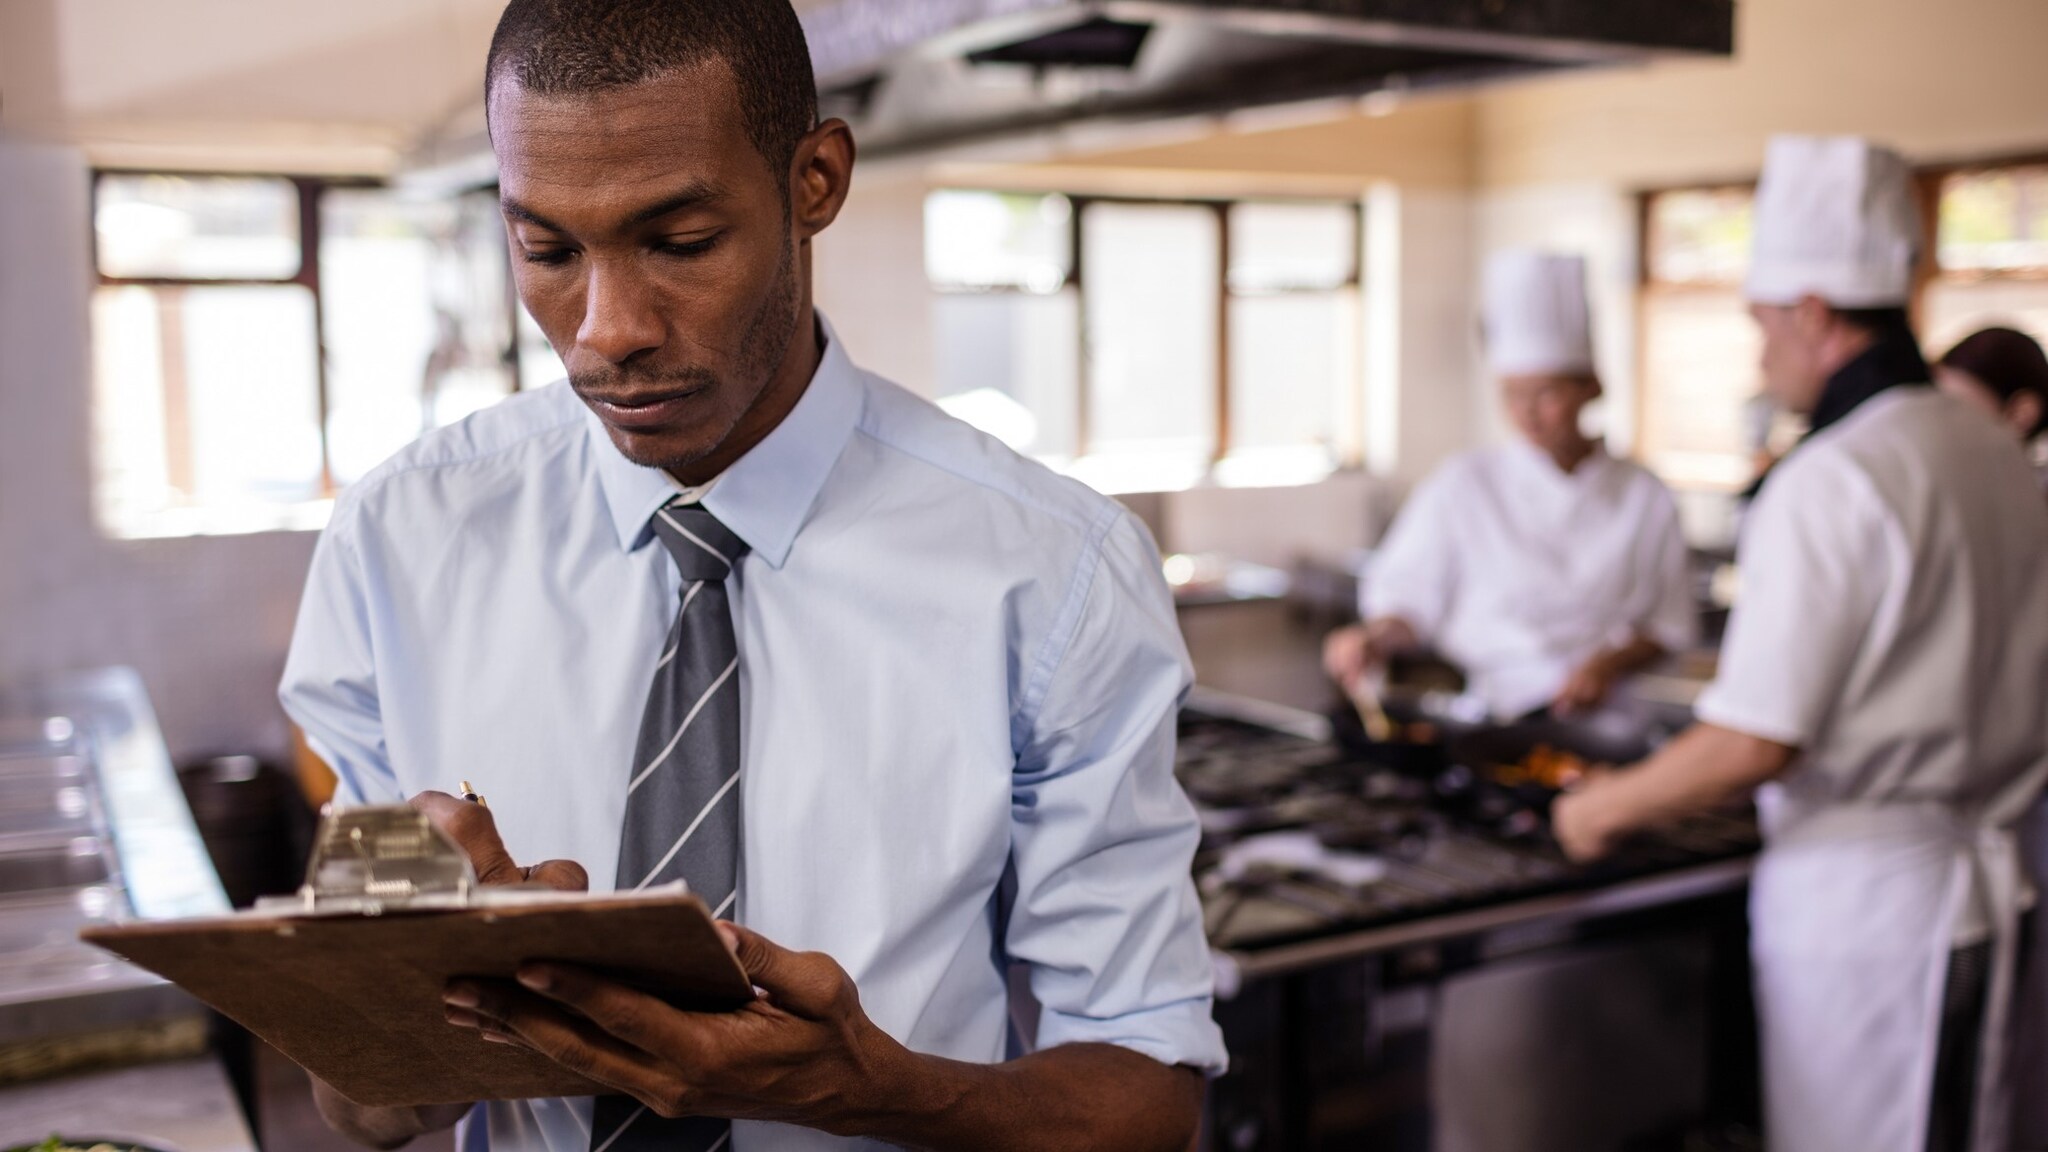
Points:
(1304, 835)
(1344, 882)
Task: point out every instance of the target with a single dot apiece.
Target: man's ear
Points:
(1813, 316)
(821, 174)
(2023, 412)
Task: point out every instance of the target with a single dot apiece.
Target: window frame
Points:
(1077, 281)
(311, 191)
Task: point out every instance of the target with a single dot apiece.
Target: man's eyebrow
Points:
(696, 194)
(518, 211)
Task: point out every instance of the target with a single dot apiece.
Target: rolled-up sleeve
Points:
(330, 677)
(1105, 913)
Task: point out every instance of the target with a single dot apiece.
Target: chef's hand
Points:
(802, 1052)
(1581, 818)
(1349, 652)
(475, 831)
(1585, 689)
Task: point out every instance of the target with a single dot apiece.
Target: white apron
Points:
(1852, 915)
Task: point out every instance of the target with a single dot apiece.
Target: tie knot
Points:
(703, 548)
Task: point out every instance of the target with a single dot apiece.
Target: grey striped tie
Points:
(683, 806)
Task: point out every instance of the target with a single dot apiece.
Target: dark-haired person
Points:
(1880, 691)
(724, 608)
(2004, 373)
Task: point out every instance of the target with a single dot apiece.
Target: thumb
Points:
(806, 983)
(475, 831)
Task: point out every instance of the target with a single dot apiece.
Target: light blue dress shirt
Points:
(959, 679)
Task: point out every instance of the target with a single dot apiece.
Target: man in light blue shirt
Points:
(956, 673)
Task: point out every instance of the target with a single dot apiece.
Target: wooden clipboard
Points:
(356, 1000)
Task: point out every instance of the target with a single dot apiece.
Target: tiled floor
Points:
(288, 1122)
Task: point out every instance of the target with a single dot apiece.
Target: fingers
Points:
(475, 832)
(563, 875)
(581, 1046)
(809, 984)
(635, 1017)
(1344, 654)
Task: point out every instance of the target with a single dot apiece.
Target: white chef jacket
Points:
(1893, 617)
(1519, 571)
(1893, 624)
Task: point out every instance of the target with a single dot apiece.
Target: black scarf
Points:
(1893, 360)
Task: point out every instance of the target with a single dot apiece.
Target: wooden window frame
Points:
(311, 192)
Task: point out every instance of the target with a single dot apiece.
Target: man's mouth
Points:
(645, 410)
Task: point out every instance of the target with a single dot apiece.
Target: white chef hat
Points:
(1835, 219)
(1535, 318)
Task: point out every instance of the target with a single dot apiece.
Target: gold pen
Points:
(473, 796)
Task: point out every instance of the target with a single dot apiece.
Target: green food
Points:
(57, 1144)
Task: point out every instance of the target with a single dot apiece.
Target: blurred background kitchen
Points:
(1226, 269)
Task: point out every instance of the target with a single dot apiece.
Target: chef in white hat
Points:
(1545, 568)
(1880, 692)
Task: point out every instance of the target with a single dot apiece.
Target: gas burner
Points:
(1300, 839)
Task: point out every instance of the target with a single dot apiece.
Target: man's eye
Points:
(547, 256)
(689, 248)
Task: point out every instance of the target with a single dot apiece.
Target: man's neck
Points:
(1568, 457)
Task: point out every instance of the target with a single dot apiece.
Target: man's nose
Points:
(620, 318)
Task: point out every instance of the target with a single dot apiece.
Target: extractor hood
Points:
(921, 75)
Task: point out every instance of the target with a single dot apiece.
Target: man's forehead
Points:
(689, 116)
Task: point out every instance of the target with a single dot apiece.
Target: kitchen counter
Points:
(1355, 899)
(182, 1106)
(94, 828)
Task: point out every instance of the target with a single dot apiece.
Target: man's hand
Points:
(1703, 768)
(806, 1053)
(474, 830)
(1588, 685)
(1349, 652)
(1585, 689)
(803, 1052)
(1579, 818)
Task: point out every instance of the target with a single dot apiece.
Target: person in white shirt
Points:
(1880, 692)
(1545, 568)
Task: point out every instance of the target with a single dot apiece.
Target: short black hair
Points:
(572, 47)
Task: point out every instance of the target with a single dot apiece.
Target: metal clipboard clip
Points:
(375, 859)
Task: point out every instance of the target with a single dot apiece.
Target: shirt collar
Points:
(767, 494)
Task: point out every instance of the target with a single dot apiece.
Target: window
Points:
(260, 342)
(1991, 249)
(1147, 344)
(1700, 415)
(1007, 321)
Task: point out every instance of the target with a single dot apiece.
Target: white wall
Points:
(205, 620)
(1939, 79)
(868, 276)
